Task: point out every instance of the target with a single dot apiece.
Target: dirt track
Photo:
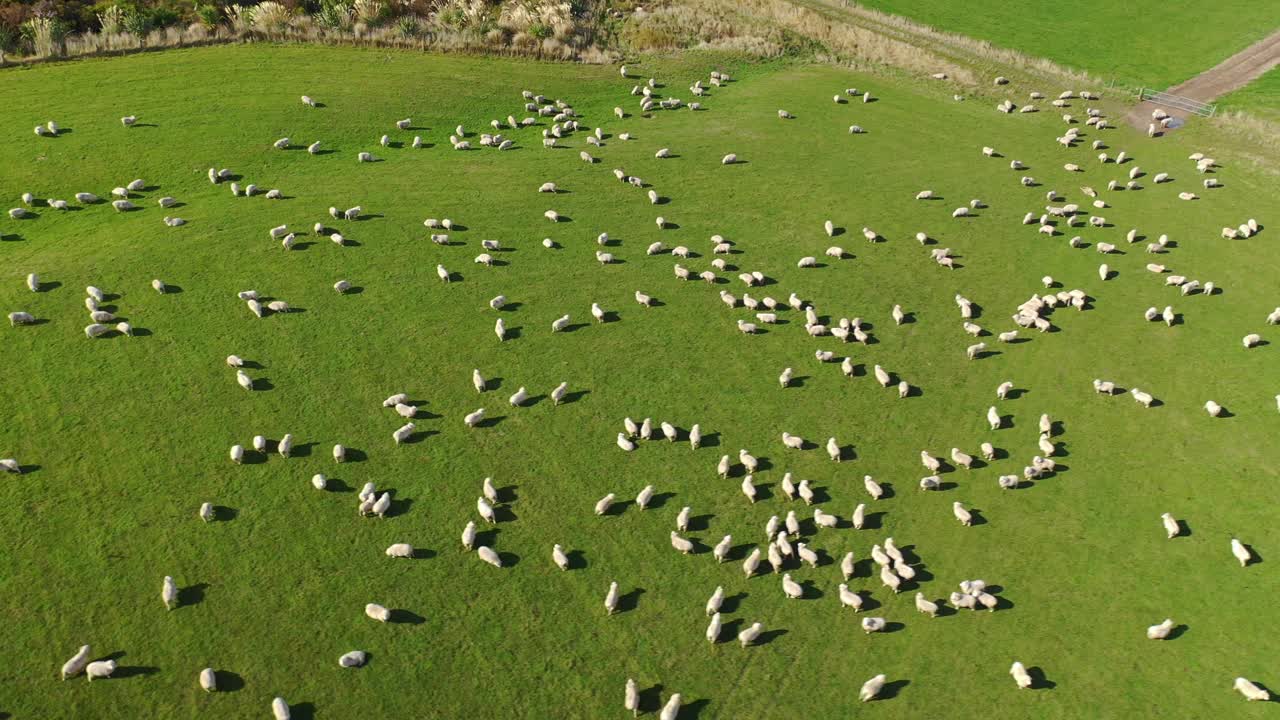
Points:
(1234, 72)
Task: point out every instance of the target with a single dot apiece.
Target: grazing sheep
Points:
(973, 351)
(1252, 340)
(790, 588)
(400, 550)
(872, 624)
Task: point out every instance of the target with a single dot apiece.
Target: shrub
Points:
(111, 20)
(45, 33)
(271, 17)
(209, 15)
(408, 26)
(137, 23)
(334, 16)
(370, 12)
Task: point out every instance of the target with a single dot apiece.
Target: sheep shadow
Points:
(769, 636)
(1177, 631)
(503, 514)
(630, 601)
(422, 554)
(893, 627)
(192, 594)
(976, 517)
(731, 603)
(355, 456)
(1038, 679)
(574, 397)
(1184, 529)
(574, 327)
(228, 681)
(693, 710)
(986, 354)
(1254, 557)
(650, 699)
(892, 689)
(399, 506)
(701, 523)
(617, 508)
(873, 520)
(811, 591)
(406, 617)
(577, 559)
(302, 711)
(508, 559)
(491, 421)
(659, 500)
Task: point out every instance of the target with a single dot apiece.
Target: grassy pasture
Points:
(1260, 97)
(130, 435)
(1149, 43)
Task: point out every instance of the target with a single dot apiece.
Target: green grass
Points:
(1260, 97)
(1156, 44)
(131, 434)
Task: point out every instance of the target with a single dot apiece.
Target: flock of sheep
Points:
(783, 546)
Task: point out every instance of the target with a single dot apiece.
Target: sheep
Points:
(872, 624)
(21, 318)
(695, 436)
(99, 669)
(882, 376)
(487, 554)
(1104, 272)
(1251, 340)
(964, 516)
(973, 351)
(1020, 675)
(873, 489)
(400, 550)
(790, 588)
(871, 688)
(1250, 691)
(403, 432)
(77, 663)
(1241, 552)
(749, 489)
(1142, 397)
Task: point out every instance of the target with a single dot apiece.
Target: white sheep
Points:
(1241, 552)
(100, 669)
(964, 516)
(1250, 691)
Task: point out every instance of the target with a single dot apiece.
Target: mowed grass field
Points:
(1146, 43)
(124, 437)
